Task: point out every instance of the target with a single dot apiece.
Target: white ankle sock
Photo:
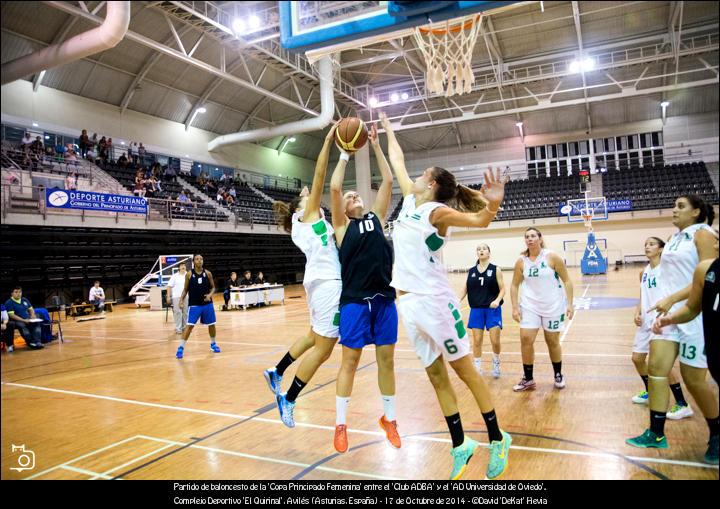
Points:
(182, 343)
(389, 407)
(341, 406)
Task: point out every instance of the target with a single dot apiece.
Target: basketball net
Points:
(587, 219)
(448, 48)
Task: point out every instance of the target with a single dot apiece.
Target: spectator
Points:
(109, 146)
(169, 173)
(134, 152)
(93, 147)
(23, 315)
(231, 284)
(84, 143)
(71, 182)
(97, 297)
(139, 189)
(219, 198)
(8, 330)
(102, 150)
(177, 285)
(60, 151)
(70, 155)
(233, 193)
(123, 161)
(37, 146)
(49, 152)
(26, 142)
(247, 279)
(141, 154)
(229, 200)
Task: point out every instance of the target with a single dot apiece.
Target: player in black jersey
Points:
(367, 303)
(704, 297)
(485, 290)
(199, 284)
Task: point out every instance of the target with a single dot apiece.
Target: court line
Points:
(575, 312)
(332, 428)
(266, 458)
(93, 475)
(135, 460)
(91, 453)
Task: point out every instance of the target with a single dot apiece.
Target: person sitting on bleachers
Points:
(71, 182)
(8, 330)
(139, 189)
(23, 315)
(97, 297)
(229, 200)
(123, 161)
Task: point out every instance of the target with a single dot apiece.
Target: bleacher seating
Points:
(65, 261)
(658, 187)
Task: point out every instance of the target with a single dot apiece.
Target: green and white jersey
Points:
(418, 246)
(317, 242)
(650, 293)
(541, 291)
(679, 259)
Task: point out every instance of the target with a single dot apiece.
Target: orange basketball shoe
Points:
(390, 428)
(340, 442)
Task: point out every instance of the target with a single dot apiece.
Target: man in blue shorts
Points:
(200, 286)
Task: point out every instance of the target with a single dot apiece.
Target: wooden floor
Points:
(113, 401)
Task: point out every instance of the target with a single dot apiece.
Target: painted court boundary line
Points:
(362, 432)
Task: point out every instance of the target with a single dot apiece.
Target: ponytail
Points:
(284, 212)
(457, 196)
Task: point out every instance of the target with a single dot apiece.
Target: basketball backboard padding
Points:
(369, 24)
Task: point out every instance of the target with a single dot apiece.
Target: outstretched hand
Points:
(331, 133)
(373, 135)
(385, 122)
(305, 192)
(493, 189)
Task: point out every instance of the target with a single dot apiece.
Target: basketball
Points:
(351, 134)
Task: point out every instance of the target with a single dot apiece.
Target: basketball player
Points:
(650, 281)
(199, 285)
(304, 219)
(429, 307)
(367, 304)
(485, 289)
(543, 303)
(693, 242)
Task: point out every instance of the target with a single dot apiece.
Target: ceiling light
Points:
(238, 26)
(574, 66)
(665, 104)
(254, 21)
(394, 97)
(373, 102)
(588, 64)
(201, 110)
(404, 96)
(35, 124)
(518, 124)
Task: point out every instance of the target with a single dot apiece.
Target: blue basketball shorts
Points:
(206, 314)
(373, 322)
(485, 318)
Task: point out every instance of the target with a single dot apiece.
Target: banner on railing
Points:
(86, 200)
(612, 206)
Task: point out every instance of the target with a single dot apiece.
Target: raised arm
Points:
(382, 201)
(397, 158)
(561, 269)
(312, 209)
(337, 203)
(514, 290)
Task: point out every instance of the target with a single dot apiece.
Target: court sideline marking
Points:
(362, 432)
(575, 312)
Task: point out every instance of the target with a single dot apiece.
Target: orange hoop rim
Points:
(454, 29)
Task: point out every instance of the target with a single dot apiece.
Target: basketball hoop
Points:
(587, 219)
(448, 48)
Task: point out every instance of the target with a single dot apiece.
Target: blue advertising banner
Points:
(612, 206)
(86, 200)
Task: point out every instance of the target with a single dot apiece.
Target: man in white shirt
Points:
(177, 285)
(26, 142)
(97, 297)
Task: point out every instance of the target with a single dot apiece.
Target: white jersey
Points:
(317, 242)
(417, 246)
(679, 260)
(541, 291)
(650, 293)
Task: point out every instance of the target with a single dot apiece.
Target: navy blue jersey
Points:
(711, 303)
(482, 287)
(366, 260)
(199, 287)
